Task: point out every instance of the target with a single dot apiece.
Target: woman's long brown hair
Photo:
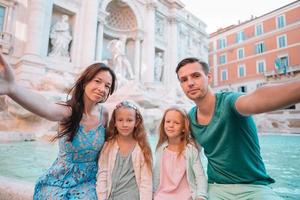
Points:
(185, 136)
(70, 125)
(139, 132)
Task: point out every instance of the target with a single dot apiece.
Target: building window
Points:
(258, 85)
(222, 43)
(224, 75)
(240, 53)
(2, 17)
(240, 36)
(281, 41)
(280, 21)
(259, 47)
(282, 63)
(241, 71)
(222, 59)
(259, 29)
(242, 89)
(260, 66)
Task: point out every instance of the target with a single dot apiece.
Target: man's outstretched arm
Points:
(269, 98)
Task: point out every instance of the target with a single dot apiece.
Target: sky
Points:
(220, 14)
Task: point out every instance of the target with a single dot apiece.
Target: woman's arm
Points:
(28, 99)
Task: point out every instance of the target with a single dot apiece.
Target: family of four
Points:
(111, 159)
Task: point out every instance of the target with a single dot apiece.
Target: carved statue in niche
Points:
(159, 26)
(60, 38)
(119, 62)
(158, 67)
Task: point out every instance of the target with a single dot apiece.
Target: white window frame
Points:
(242, 34)
(263, 50)
(237, 53)
(285, 38)
(284, 22)
(257, 66)
(226, 72)
(262, 29)
(238, 70)
(219, 42)
(225, 56)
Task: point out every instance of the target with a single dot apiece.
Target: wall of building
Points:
(269, 37)
(151, 33)
(289, 119)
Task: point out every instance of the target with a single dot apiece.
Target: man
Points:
(222, 124)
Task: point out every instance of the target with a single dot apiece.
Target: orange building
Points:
(253, 53)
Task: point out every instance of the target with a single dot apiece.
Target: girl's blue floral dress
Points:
(73, 173)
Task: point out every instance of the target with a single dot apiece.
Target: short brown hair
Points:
(185, 61)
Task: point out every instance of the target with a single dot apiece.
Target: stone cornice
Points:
(151, 5)
(134, 33)
(173, 4)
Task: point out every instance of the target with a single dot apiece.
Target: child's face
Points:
(173, 125)
(125, 121)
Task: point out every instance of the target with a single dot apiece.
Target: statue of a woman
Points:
(119, 61)
(60, 39)
(158, 67)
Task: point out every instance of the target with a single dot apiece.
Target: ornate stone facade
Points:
(154, 35)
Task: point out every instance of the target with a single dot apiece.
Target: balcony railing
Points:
(5, 42)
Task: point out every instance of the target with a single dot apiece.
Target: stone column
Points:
(100, 30)
(147, 74)
(31, 67)
(35, 23)
(90, 30)
(173, 51)
(171, 78)
(137, 57)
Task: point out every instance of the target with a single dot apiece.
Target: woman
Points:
(81, 130)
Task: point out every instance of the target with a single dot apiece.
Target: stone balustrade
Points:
(5, 42)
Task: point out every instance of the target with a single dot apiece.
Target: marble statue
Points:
(119, 62)
(159, 26)
(60, 38)
(158, 66)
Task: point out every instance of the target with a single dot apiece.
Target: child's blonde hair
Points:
(185, 136)
(139, 132)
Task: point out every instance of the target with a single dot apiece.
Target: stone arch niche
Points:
(121, 16)
(123, 22)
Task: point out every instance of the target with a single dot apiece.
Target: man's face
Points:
(193, 81)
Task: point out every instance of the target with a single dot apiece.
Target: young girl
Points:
(81, 130)
(178, 172)
(125, 162)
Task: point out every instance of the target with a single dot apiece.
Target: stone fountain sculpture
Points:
(60, 38)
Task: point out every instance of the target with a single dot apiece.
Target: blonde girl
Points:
(126, 159)
(178, 172)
